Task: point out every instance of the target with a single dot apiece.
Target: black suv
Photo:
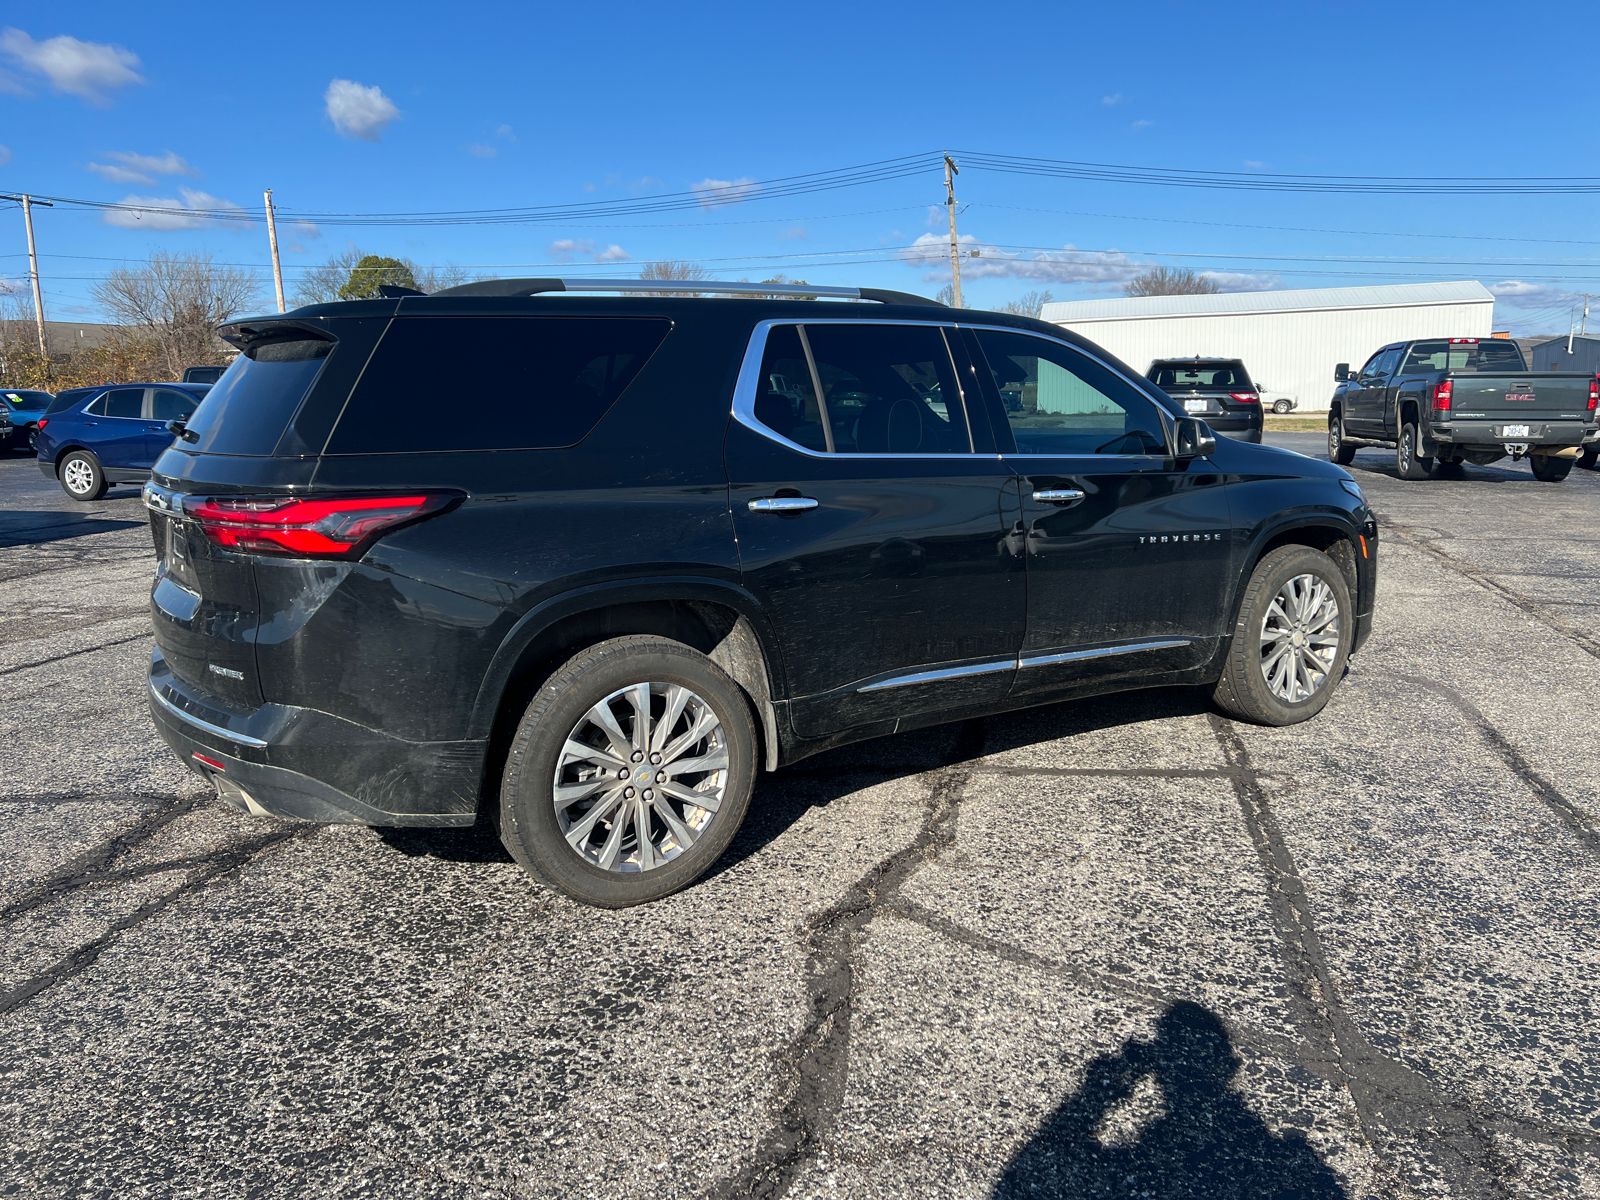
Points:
(664, 542)
(1218, 390)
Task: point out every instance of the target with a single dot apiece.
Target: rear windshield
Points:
(1190, 376)
(1491, 354)
(68, 399)
(250, 406)
(492, 383)
(29, 401)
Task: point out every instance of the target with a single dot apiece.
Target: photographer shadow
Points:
(1195, 1137)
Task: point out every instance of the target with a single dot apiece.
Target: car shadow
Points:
(37, 528)
(1161, 1118)
(784, 797)
(1461, 473)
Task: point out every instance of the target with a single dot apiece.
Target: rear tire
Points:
(1587, 459)
(1339, 450)
(1408, 464)
(1550, 470)
(624, 828)
(1291, 641)
(81, 476)
(1281, 406)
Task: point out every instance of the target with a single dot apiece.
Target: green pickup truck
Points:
(1444, 401)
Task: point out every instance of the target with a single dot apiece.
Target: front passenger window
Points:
(169, 404)
(1058, 401)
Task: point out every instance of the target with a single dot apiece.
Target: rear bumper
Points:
(1489, 435)
(301, 764)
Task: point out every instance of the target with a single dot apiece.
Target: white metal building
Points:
(1289, 341)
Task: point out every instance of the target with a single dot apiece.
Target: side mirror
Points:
(181, 431)
(1195, 439)
(1341, 373)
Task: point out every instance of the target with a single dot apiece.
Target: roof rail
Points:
(534, 287)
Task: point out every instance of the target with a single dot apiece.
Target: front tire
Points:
(1408, 463)
(1550, 470)
(81, 476)
(1291, 641)
(1339, 450)
(630, 772)
(1281, 406)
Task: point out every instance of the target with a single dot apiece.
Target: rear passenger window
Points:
(246, 412)
(169, 404)
(121, 402)
(493, 383)
(886, 389)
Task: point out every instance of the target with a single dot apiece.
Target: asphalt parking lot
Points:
(1122, 947)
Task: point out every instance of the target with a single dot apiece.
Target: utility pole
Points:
(950, 171)
(1584, 331)
(272, 239)
(27, 203)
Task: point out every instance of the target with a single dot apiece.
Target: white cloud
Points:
(357, 111)
(1114, 98)
(1520, 294)
(568, 249)
(505, 131)
(88, 70)
(1253, 164)
(796, 234)
(161, 213)
(714, 193)
(5, 155)
(140, 168)
(479, 150)
(1244, 281)
(1141, 124)
(1067, 265)
(12, 86)
(299, 233)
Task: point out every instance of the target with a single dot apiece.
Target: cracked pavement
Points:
(1121, 947)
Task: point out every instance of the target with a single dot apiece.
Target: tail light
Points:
(1441, 396)
(336, 527)
(43, 421)
(1246, 397)
(1594, 394)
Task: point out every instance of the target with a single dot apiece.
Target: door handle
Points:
(782, 504)
(1059, 495)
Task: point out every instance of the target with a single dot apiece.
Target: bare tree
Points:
(673, 269)
(179, 300)
(1170, 281)
(320, 285)
(1029, 304)
(947, 296)
(436, 279)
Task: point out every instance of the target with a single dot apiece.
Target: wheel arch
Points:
(72, 448)
(1330, 532)
(721, 620)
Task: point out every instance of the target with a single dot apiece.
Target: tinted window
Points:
(169, 404)
(67, 399)
(245, 413)
(1191, 376)
(493, 383)
(1386, 362)
(121, 402)
(888, 389)
(29, 401)
(1445, 355)
(786, 402)
(1059, 401)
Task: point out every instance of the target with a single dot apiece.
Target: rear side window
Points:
(64, 401)
(169, 404)
(493, 383)
(120, 402)
(246, 412)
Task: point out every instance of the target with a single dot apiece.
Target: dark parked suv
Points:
(667, 542)
(1217, 390)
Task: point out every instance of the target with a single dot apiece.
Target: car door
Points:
(1365, 402)
(114, 428)
(872, 516)
(1130, 551)
(166, 404)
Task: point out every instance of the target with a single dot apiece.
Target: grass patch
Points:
(1292, 423)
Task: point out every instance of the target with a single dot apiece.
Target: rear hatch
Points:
(1520, 405)
(1208, 388)
(257, 433)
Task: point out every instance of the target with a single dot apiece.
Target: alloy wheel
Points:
(1335, 435)
(1300, 638)
(641, 777)
(78, 475)
(1406, 449)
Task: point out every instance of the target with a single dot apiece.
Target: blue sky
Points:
(401, 107)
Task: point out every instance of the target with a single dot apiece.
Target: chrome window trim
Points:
(940, 673)
(241, 738)
(1161, 409)
(744, 390)
(1045, 660)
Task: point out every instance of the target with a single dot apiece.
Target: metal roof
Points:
(1394, 295)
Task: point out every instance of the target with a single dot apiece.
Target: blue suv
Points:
(112, 435)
